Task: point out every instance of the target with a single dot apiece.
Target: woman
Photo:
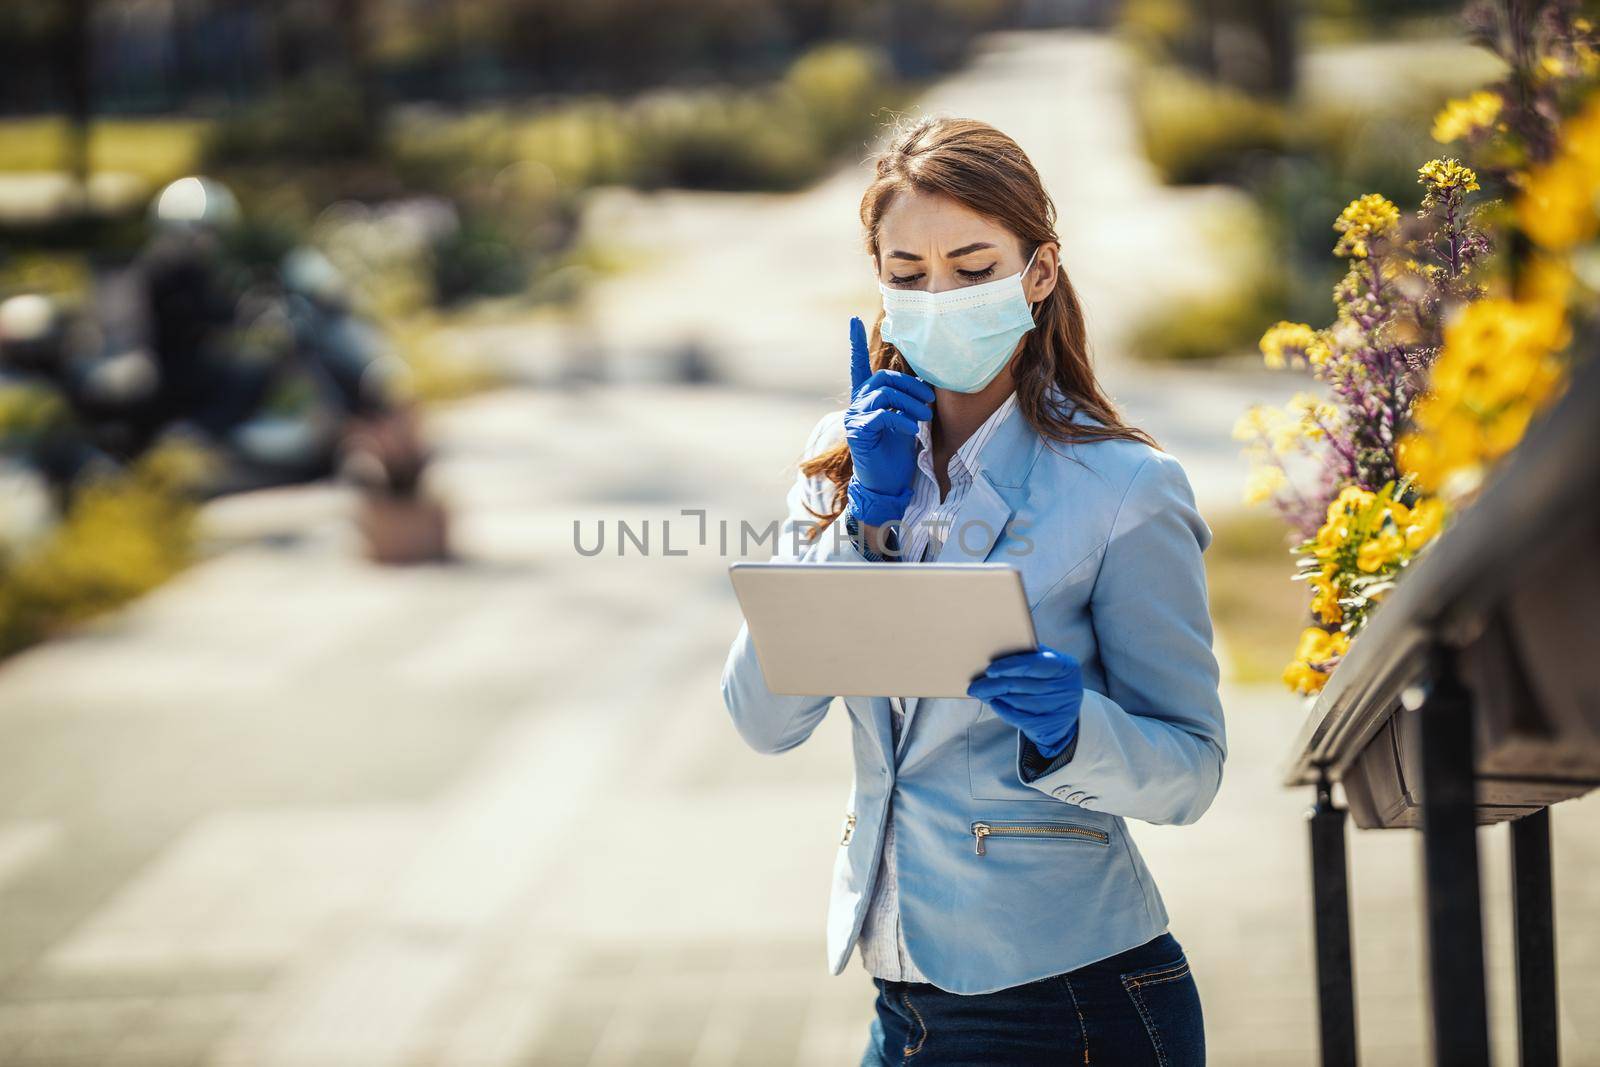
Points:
(985, 872)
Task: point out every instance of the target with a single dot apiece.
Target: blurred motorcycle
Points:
(276, 375)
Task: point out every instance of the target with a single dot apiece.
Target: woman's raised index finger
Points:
(860, 358)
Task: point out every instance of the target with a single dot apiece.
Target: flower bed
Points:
(1452, 331)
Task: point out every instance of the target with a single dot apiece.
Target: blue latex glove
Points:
(1038, 692)
(880, 426)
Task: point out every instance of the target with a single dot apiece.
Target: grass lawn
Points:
(1258, 609)
(157, 150)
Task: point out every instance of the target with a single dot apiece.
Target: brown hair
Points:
(981, 168)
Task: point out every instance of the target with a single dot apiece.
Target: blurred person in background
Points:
(986, 875)
(191, 306)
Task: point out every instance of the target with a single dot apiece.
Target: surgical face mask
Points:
(961, 338)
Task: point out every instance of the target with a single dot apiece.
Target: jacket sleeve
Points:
(1150, 747)
(768, 722)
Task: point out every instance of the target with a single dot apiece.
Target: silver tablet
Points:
(881, 629)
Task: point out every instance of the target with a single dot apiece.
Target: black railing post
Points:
(1535, 928)
(1330, 893)
(1450, 870)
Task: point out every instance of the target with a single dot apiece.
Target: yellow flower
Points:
(1265, 480)
(1561, 198)
(1557, 205)
(1304, 679)
(1325, 600)
(1447, 174)
(1330, 539)
(1380, 551)
(1351, 499)
(1314, 658)
(1317, 645)
(1580, 135)
(1286, 342)
(1364, 220)
(1464, 117)
(1314, 415)
(1419, 460)
(1547, 279)
(1268, 430)
(1257, 422)
(1424, 523)
(1499, 365)
(1504, 431)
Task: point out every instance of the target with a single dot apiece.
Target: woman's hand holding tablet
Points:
(1038, 692)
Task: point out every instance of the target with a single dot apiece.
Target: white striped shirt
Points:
(924, 530)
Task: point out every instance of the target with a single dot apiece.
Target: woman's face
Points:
(934, 243)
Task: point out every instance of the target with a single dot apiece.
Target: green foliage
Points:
(583, 143)
(836, 91)
(779, 138)
(478, 259)
(28, 411)
(122, 536)
(1198, 131)
(63, 277)
(313, 120)
(1157, 28)
(1301, 163)
(725, 141)
(157, 150)
(517, 178)
(1206, 327)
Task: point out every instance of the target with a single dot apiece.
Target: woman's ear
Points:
(1040, 280)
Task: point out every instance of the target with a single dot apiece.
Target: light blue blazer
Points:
(1003, 880)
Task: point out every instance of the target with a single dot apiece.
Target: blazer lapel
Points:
(977, 524)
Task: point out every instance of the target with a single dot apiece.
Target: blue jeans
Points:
(1139, 1007)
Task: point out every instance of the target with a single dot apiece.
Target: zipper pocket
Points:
(849, 828)
(983, 830)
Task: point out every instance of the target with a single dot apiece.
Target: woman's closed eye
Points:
(964, 275)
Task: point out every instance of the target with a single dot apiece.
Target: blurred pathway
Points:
(296, 811)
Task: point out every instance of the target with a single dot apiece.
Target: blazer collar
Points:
(1008, 455)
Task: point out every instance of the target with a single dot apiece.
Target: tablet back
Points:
(881, 629)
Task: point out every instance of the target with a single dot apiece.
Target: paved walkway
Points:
(294, 811)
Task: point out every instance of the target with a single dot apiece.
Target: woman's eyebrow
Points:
(964, 250)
